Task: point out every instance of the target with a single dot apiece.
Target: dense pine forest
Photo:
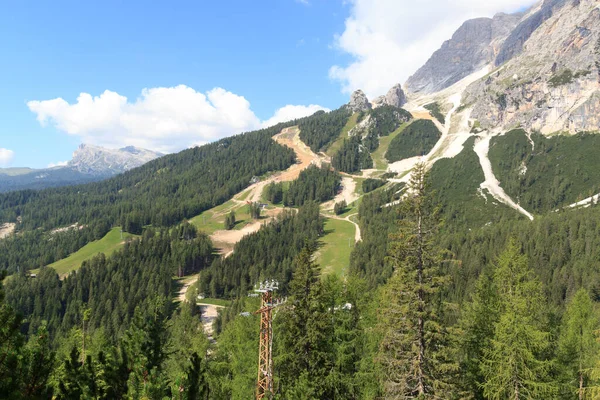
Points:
(439, 300)
(416, 140)
(428, 310)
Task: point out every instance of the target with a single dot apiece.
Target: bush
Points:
(230, 221)
(340, 207)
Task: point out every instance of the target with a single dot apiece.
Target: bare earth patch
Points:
(6, 229)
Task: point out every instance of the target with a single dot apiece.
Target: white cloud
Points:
(162, 119)
(390, 39)
(6, 156)
(291, 112)
(58, 164)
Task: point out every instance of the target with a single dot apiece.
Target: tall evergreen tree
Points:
(476, 328)
(513, 365)
(11, 346)
(413, 351)
(577, 345)
(303, 336)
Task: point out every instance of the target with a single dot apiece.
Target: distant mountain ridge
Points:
(99, 161)
(89, 164)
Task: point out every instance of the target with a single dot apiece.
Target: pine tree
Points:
(230, 221)
(38, 363)
(11, 346)
(513, 365)
(304, 332)
(476, 330)
(195, 382)
(577, 345)
(413, 352)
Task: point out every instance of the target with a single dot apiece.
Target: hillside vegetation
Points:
(321, 129)
(416, 139)
(558, 171)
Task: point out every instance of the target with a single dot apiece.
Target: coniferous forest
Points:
(438, 301)
(428, 310)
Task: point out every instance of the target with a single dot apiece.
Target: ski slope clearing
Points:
(110, 243)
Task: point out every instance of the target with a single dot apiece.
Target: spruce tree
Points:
(476, 330)
(413, 351)
(577, 345)
(513, 365)
(304, 332)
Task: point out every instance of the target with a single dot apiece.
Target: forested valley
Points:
(438, 300)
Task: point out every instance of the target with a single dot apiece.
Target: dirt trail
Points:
(209, 313)
(226, 240)
(6, 229)
(491, 183)
(357, 234)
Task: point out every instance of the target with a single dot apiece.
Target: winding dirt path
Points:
(226, 240)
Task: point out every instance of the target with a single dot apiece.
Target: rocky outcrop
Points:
(553, 85)
(359, 102)
(395, 96)
(95, 160)
(474, 45)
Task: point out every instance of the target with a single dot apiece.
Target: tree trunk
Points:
(580, 384)
(421, 323)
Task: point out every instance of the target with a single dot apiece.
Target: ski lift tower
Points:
(264, 384)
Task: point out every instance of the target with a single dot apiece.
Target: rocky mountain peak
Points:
(359, 102)
(551, 81)
(96, 160)
(472, 46)
(395, 96)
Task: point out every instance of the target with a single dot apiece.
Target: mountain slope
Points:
(473, 46)
(553, 85)
(89, 164)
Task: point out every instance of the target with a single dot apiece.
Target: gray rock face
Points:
(359, 102)
(513, 45)
(553, 84)
(378, 101)
(95, 160)
(471, 47)
(395, 96)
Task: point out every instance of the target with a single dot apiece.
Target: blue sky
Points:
(261, 55)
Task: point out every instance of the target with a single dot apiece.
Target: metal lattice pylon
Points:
(264, 383)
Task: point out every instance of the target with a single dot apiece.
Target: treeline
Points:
(321, 129)
(318, 184)
(34, 249)
(417, 139)
(162, 193)
(110, 287)
(156, 357)
(352, 157)
(267, 254)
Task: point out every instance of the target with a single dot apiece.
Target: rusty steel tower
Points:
(264, 383)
